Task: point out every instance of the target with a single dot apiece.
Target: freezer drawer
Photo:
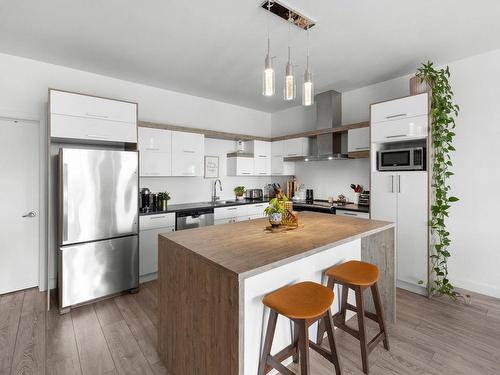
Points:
(97, 269)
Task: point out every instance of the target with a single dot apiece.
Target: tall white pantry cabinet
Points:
(403, 196)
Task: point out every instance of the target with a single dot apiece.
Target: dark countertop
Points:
(203, 205)
(324, 205)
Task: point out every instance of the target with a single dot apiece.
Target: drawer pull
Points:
(152, 149)
(157, 217)
(246, 173)
(362, 148)
(349, 214)
(231, 208)
(396, 136)
(96, 115)
(189, 151)
(394, 116)
(262, 156)
(97, 136)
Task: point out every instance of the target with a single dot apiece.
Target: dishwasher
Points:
(194, 218)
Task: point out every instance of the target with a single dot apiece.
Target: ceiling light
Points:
(268, 75)
(289, 89)
(308, 85)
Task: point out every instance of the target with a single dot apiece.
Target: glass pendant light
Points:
(268, 78)
(308, 85)
(290, 89)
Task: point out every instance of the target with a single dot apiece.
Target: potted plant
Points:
(164, 197)
(275, 211)
(239, 191)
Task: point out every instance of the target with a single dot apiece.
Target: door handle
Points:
(399, 184)
(392, 183)
(30, 214)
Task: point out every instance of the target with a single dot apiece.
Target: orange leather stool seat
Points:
(305, 300)
(355, 272)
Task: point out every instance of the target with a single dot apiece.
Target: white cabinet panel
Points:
(225, 221)
(362, 215)
(154, 163)
(240, 166)
(277, 148)
(262, 149)
(70, 104)
(281, 168)
(412, 227)
(159, 140)
(262, 166)
(296, 147)
(256, 211)
(229, 212)
(383, 196)
(187, 154)
(90, 129)
(411, 106)
(358, 139)
(150, 227)
(399, 130)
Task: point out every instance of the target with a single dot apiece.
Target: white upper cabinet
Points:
(155, 152)
(358, 139)
(296, 147)
(240, 166)
(159, 140)
(410, 106)
(261, 149)
(187, 154)
(77, 116)
(400, 130)
(277, 148)
(281, 168)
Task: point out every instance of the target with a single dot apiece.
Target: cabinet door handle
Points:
(349, 214)
(96, 115)
(189, 151)
(362, 148)
(394, 116)
(231, 208)
(396, 136)
(292, 155)
(246, 173)
(157, 217)
(262, 156)
(97, 136)
(399, 184)
(392, 184)
(152, 149)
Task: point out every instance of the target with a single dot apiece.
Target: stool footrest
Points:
(346, 328)
(280, 356)
(373, 342)
(278, 366)
(318, 349)
(368, 314)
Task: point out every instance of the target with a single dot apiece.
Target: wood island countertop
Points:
(246, 249)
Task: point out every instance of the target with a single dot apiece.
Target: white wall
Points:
(24, 85)
(199, 189)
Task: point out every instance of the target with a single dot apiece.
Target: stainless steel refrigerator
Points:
(98, 251)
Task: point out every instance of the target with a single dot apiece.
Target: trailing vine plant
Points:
(443, 113)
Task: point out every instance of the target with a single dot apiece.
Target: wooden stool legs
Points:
(300, 346)
(340, 320)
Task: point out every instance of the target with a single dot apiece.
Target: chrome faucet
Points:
(215, 198)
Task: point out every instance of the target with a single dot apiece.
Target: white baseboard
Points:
(414, 288)
(148, 277)
(486, 289)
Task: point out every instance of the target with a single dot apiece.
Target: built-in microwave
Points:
(404, 159)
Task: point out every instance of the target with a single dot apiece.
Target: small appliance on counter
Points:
(364, 198)
(309, 195)
(254, 194)
(145, 199)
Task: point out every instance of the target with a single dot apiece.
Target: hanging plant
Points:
(443, 113)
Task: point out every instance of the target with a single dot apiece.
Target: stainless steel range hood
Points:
(331, 146)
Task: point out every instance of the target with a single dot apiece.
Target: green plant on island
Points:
(239, 191)
(443, 113)
(275, 206)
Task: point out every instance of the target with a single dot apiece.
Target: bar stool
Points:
(358, 276)
(304, 304)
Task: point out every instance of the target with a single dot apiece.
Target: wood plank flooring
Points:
(118, 337)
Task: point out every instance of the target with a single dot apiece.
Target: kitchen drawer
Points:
(71, 127)
(155, 164)
(410, 106)
(229, 212)
(400, 130)
(65, 103)
(157, 221)
(256, 209)
(362, 215)
(158, 140)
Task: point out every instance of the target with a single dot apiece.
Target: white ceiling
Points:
(216, 48)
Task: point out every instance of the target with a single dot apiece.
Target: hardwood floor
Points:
(118, 336)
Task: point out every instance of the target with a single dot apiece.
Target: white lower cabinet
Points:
(362, 215)
(233, 214)
(401, 197)
(150, 226)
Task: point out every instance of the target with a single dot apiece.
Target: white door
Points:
(412, 226)
(19, 200)
(383, 202)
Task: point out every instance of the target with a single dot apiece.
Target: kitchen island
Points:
(212, 281)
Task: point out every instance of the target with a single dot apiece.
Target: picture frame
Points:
(211, 166)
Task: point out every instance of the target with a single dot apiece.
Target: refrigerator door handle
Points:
(65, 202)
